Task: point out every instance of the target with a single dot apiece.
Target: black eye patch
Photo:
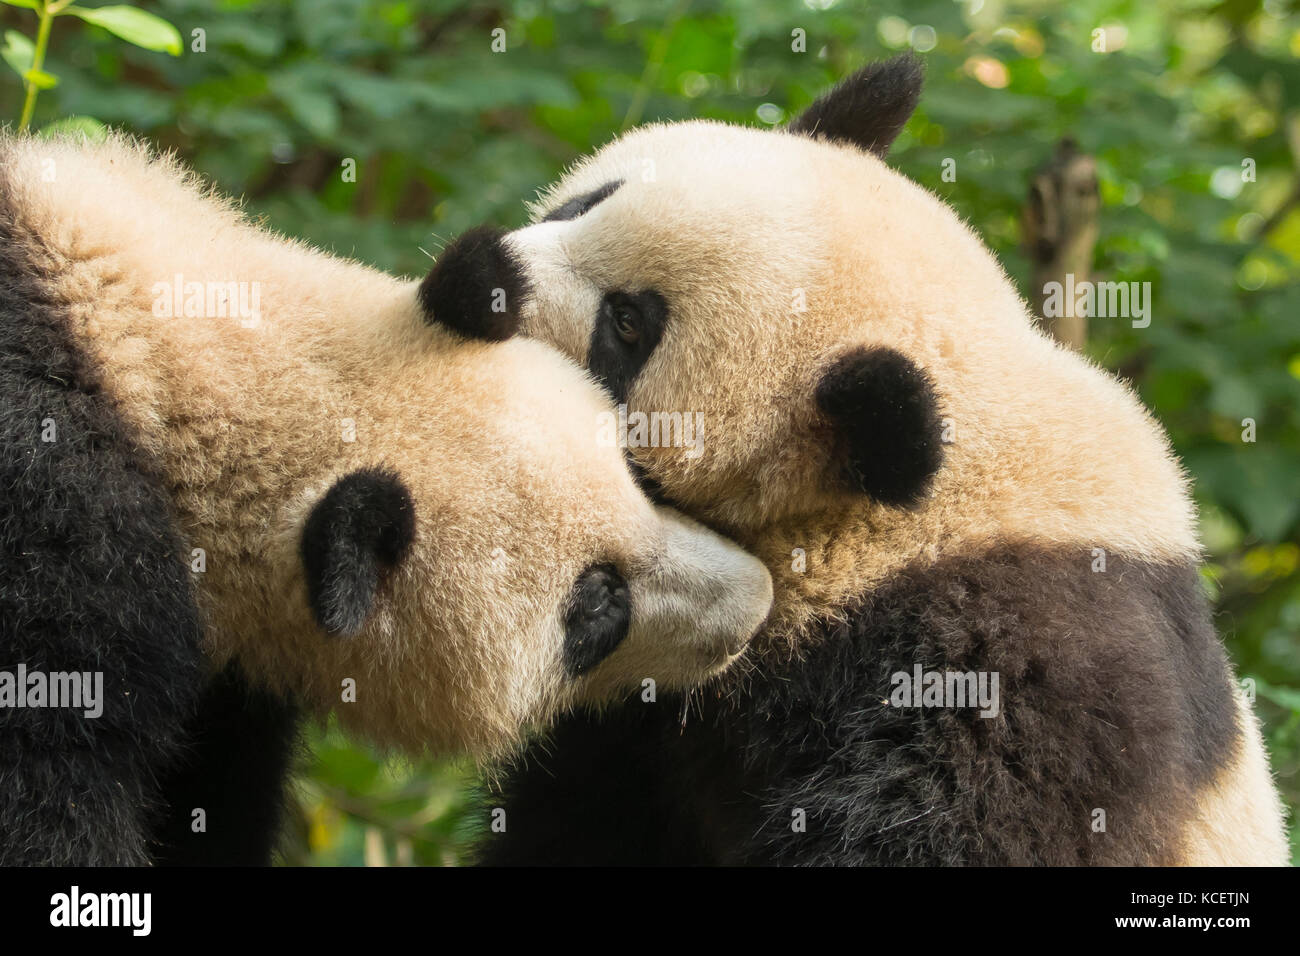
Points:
(628, 327)
(597, 618)
(581, 205)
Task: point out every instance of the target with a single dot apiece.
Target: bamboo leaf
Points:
(133, 25)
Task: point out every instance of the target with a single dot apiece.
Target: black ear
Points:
(886, 418)
(477, 287)
(362, 526)
(869, 108)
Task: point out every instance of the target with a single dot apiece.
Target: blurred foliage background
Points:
(271, 98)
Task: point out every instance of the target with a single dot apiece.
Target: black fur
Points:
(597, 619)
(614, 361)
(240, 752)
(581, 205)
(869, 108)
(648, 483)
(1115, 695)
(362, 526)
(92, 578)
(886, 418)
(474, 275)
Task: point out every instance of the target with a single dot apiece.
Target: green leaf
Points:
(25, 4)
(72, 126)
(18, 52)
(134, 26)
(41, 80)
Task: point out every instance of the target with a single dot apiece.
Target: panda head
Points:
(873, 390)
(773, 284)
(486, 563)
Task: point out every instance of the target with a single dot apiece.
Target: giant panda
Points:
(943, 496)
(242, 479)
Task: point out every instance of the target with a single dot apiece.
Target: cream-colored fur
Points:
(514, 496)
(777, 253)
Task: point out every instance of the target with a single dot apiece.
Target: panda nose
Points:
(478, 287)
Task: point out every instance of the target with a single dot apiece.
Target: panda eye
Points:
(627, 329)
(627, 322)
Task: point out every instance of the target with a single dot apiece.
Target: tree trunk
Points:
(1059, 226)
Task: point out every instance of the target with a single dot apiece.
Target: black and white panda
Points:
(941, 493)
(241, 478)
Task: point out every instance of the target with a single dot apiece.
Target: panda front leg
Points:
(99, 669)
(99, 632)
(100, 660)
